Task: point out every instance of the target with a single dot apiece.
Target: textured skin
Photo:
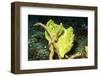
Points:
(61, 43)
(65, 42)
